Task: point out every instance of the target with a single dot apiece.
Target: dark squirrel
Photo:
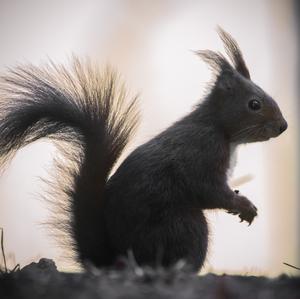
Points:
(152, 205)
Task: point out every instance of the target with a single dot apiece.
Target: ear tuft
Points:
(233, 51)
(217, 62)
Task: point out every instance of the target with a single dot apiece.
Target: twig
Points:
(291, 266)
(16, 268)
(2, 249)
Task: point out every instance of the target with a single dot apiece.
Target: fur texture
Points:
(153, 204)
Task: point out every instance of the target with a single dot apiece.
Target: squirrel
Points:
(152, 204)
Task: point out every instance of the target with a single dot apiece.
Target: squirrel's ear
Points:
(233, 51)
(226, 80)
(217, 62)
(222, 69)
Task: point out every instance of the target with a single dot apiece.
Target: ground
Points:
(43, 280)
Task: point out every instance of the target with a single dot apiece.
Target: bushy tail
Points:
(80, 106)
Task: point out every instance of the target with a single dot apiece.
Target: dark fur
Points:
(153, 204)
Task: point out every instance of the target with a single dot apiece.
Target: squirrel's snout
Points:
(276, 128)
(283, 126)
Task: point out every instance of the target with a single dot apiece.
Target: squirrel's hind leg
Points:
(182, 238)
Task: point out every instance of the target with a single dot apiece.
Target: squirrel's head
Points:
(241, 108)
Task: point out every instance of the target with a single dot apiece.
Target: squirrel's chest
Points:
(232, 159)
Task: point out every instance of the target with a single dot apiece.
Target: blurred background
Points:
(151, 43)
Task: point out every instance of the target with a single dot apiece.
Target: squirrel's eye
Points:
(254, 105)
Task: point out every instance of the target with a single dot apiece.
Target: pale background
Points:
(150, 42)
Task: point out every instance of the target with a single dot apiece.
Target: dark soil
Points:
(43, 280)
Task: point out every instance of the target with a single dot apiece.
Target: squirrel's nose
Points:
(283, 127)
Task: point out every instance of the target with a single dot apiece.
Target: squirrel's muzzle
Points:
(275, 128)
(283, 126)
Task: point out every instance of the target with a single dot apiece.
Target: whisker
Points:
(249, 131)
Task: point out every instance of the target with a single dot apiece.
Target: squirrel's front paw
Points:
(244, 208)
